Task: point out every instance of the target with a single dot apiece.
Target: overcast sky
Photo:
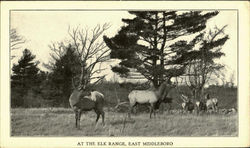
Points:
(40, 28)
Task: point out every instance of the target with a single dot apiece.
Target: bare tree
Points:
(202, 67)
(91, 51)
(15, 40)
(58, 50)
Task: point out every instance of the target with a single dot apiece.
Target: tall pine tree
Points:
(143, 43)
(24, 77)
(63, 69)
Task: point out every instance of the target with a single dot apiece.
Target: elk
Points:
(200, 106)
(211, 103)
(187, 105)
(151, 97)
(86, 101)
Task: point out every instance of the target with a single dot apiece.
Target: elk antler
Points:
(184, 98)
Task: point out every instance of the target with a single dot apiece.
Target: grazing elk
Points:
(153, 98)
(86, 101)
(211, 103)
(187, 105)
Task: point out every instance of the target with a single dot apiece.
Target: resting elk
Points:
(153, 98)
(86, 101)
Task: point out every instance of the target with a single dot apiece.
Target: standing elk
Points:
(153, 98)
(86, 101)
(187, 105)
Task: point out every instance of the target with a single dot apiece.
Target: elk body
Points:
(153, 98)
(84, 101)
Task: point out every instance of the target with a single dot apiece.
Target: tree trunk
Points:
(155, 82)
(162, 67)
(194, 94)
(199, 93)
(162, 48)
(83, 78)
(202, 92)
(155, 74)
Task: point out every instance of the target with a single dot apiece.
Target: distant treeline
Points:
(31, 87)
(46, 96)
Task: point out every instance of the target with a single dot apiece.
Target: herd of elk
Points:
(201, 105)
(84, 100)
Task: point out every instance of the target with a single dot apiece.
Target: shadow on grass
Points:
(121, 121)
(63, 111)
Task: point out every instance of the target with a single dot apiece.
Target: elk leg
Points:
(129, 114)
(197, 110)
(135, 108)
(216, 107)
(184, 110)
(97, 118)
(76, 114)
(154, 109)
(213, 108)
(151, 111)
(205, 109)
(130, 111)
(79, 118)
(103, 114)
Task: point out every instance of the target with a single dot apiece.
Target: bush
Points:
(33, 99)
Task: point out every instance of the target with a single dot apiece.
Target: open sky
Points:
(41, 28)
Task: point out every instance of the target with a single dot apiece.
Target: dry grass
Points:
(61, 122)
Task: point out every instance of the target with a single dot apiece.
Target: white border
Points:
(243, 81)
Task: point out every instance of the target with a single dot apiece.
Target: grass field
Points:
(61, 122)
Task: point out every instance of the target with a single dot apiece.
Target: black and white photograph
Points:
(124, 73)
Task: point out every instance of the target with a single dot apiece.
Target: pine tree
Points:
(63, 70)
(143, 44)
(24, 77)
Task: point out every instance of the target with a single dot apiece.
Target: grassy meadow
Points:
(61, 122)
